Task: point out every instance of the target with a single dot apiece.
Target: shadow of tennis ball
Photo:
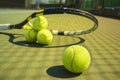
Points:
(60, 72)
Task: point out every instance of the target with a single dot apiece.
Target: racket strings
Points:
(69, 22)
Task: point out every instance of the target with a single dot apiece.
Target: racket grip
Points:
(4, 26)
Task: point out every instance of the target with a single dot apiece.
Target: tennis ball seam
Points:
(30, 35)
(72, 59)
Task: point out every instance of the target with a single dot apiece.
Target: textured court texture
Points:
(20, 60)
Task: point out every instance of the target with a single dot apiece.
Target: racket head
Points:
(69, 21)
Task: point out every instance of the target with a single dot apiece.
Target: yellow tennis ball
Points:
(76, 59)
(30, 35)
(39, 23)
(44, 36)
(26, 27)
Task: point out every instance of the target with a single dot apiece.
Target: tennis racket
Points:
(65, 21)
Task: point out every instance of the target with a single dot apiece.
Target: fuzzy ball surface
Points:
(76, 59)
(30, 35)
(44, 36)
(39, 23)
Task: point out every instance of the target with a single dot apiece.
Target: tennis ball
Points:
(30, 35)
(39, 23)
(76, 59)
(26, 27)
(44, 36)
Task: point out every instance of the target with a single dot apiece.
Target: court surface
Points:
(20, 60)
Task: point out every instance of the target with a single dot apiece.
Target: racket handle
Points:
(4, 26)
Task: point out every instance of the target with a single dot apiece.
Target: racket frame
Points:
(58, 10)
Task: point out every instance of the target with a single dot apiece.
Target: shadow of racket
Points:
(19, 42)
